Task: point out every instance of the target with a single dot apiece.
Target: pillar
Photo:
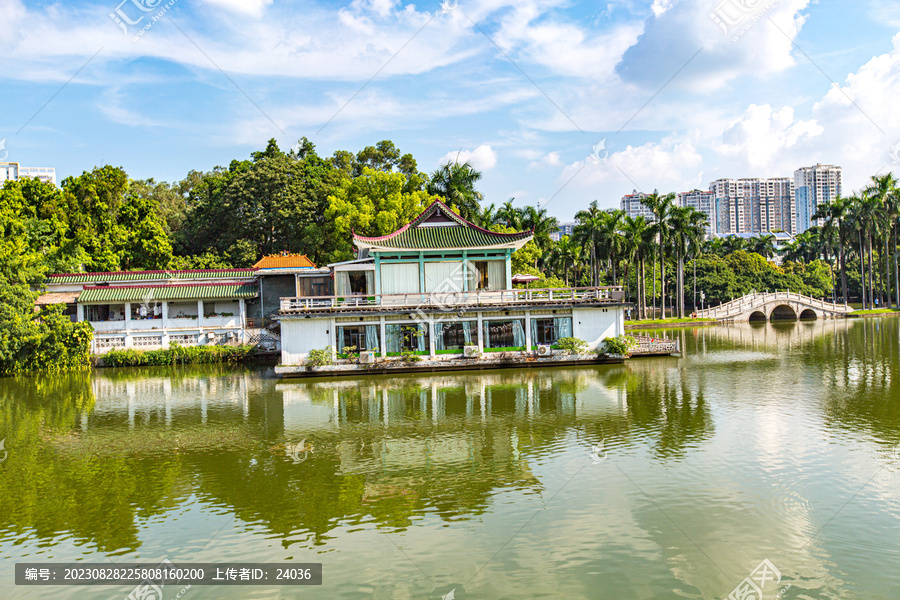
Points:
(528, 339)
(480, 332)
(127, 325)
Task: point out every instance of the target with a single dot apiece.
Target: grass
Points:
(875, 311)
(668, 321)
(507, 349)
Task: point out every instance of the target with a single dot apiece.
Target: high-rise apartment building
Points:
(813, 186)
(753, 205)
(631, 204)
(705, 202)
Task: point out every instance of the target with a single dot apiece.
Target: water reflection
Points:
(729, 439)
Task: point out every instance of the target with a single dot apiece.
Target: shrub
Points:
(178, 355)
(410, 356)
(572, 345)
(319, 358)
(620, 346)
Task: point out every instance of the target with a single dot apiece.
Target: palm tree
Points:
(661, 206)
(587, 233)
(763, 244)
(867, 215)
(565, 256)
(687, 230)
(509, 215)
(637, 232)
(487, 216)
(455, 183)
(611, 239)
(836, 229)
(733, 243)
(542, 224)
(884, 188)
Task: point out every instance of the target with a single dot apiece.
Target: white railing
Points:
(651, 345)
(446, 300)
(754, 301)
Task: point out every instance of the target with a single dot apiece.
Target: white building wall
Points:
(299, 336)
(593, 325)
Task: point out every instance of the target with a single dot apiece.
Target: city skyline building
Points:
(819, 184)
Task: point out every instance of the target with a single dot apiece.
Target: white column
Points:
(242, 323)
(480, 332)
(79, 312)
(431, 343)
(127, 324)
(200, 321)
(165, 325)
(383, 332)
(332, 332)
(528, 340)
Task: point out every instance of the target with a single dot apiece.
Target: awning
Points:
(523, 278)
(167, 293)
(57, 298)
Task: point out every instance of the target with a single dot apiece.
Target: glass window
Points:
(406, 337)
(363, 337)
(549, 331)
(456, 335)
(504, 334)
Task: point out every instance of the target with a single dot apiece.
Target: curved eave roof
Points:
(166, 293)
(454, 232)
(150, 275)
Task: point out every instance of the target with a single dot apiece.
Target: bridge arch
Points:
(757, 316)
(783, 312)
(808, 314)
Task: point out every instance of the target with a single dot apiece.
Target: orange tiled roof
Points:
(284, 261)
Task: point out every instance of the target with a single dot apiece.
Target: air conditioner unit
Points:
(366, 358)
(471, 351)
(211, 335)
(544, 350)
(230, 335)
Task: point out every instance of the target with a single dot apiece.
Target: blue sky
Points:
(524, 89)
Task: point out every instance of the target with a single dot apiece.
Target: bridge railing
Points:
(754, 301)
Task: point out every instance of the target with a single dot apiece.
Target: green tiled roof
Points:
(150, 275)
(168, 293)
(439, 227)
(447, 237)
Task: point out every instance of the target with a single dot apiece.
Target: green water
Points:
(762, 442)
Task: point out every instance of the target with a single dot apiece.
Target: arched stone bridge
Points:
(775, 306)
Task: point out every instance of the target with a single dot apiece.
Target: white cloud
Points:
(667, 165)
(762, 136)
(482, 158)
(758, 44)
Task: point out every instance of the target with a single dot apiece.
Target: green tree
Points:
(372, 204)
(455, 184)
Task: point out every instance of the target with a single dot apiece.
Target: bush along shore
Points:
(179, 355)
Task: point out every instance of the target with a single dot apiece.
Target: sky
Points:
(559, 102)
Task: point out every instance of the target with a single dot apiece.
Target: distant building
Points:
(753, 205)
(705, 202)
(633, 207)
(566, 229)
(813, 186)
(11, 171)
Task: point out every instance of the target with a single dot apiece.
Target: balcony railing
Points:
(454, 300)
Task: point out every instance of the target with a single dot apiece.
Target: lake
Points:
(660, 478)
